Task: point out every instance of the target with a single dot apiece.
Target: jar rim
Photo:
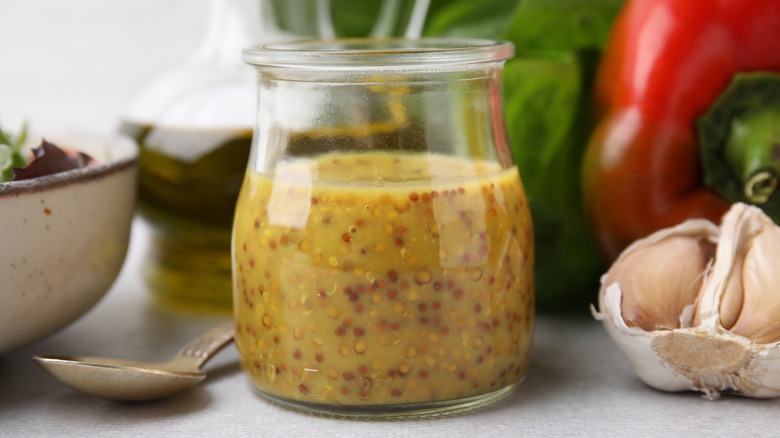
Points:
(361, 53)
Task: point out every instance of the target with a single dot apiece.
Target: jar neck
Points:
(453, 111)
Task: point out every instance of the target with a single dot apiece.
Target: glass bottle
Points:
(194, 126)
(382, 245)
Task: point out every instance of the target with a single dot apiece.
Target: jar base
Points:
(396, 411)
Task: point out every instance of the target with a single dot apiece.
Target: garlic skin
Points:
(697, 307)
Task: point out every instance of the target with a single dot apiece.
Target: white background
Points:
(76, 64)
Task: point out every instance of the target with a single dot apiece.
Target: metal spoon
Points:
(138, 381)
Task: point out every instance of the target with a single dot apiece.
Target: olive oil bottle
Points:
(189, 207)
(194, 127)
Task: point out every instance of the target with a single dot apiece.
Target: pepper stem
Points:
(761, 185)
(753, 152)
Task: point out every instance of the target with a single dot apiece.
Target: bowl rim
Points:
(128, 158)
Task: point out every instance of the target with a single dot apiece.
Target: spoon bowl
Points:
(126, 380)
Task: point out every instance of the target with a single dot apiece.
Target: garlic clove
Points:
(759, 315)
(661, 275)
(723, 297)
(731, 299)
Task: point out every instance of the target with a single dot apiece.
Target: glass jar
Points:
(382, 243)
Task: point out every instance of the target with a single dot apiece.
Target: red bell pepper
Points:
(667, 64)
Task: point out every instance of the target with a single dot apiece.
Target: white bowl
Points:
(64, 238)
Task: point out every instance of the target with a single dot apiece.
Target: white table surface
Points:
(75, 65)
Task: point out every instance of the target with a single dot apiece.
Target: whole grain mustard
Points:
(382, 279)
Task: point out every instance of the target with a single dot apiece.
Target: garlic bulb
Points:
(697, 307)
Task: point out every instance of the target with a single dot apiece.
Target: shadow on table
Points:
(188, 403)
(545, 379)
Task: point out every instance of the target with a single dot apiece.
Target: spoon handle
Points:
(200, 349)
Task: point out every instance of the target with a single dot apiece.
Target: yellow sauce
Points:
(377, 278)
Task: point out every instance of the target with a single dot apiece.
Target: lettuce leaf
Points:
(11, 155)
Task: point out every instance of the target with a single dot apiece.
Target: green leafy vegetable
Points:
(547, 109)
(544, 92)
(562, 25)
(343, 18)
(547, 92)
(467, 18)
(11, 155)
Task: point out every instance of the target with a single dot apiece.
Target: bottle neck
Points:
(233, 26)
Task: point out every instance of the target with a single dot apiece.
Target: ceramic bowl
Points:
(64, 238)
